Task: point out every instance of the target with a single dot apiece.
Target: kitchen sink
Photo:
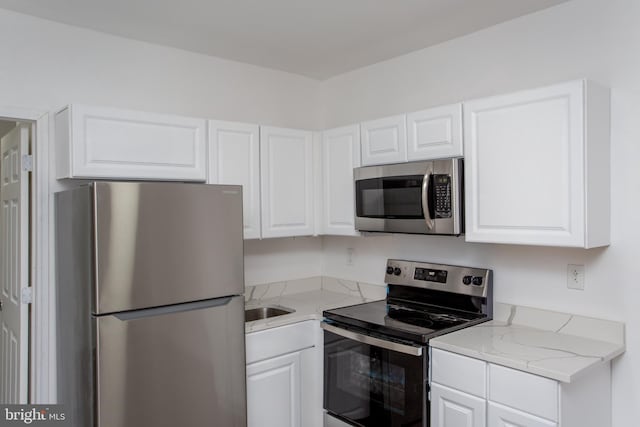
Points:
(265, 312)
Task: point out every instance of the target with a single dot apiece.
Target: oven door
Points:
(373, 382)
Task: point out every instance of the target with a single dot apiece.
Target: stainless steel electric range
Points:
(376, 362)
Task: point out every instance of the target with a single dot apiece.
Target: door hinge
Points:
(27, 295)
(27, 162)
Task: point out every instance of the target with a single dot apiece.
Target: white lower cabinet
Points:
(453, 408)
(283, 381)
(469, 392)
(503, 416)
(274, 391)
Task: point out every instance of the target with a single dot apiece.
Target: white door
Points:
(101, 142)
(384, 140)
(452, 408)
(274, 392)
(340, 154)
(524, 171)
(287, 185)
(14, 267)
(234, 158)
(435, 133)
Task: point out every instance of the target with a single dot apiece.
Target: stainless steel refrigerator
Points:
(150, 313)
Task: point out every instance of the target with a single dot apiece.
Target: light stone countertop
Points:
(308, 297)
(555, 345)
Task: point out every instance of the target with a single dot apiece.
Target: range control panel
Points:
(448, 278)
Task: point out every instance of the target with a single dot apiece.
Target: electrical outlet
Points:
(350, 253)
(575, 276)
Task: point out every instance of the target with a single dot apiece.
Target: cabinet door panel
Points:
(273, 392)
(98, 142)
(340, 154)
(286, 160)
(234, 158)
(452, 408)
(384, 141)
(435, 133)
(524, 167)
(503, 416)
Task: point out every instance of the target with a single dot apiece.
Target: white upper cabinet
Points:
(435, 133)
(537, 167)
(287, 182)
(340, 154)
(108, 143)
(234, 158)
(384, 141)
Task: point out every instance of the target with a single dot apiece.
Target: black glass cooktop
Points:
(403, 321)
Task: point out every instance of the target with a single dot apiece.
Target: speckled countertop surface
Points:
(555, 345)
(308, 297)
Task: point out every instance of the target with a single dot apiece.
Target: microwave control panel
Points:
(442, 195)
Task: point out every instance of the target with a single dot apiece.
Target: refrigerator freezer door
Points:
(165, 367)
(166, 243)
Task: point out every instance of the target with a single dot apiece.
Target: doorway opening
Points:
(16, 168)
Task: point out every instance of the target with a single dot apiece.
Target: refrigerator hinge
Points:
(27, 295)
(27, 162)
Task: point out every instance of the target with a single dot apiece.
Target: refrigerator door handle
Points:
(170, 309)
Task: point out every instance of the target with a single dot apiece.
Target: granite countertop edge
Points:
(558, 346)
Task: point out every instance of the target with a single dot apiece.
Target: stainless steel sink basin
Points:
(265, 312)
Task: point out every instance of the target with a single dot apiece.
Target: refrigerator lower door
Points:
(181, 365)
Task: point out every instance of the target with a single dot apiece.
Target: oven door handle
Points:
(377, 342)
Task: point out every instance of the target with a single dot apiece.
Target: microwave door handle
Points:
(426, 183)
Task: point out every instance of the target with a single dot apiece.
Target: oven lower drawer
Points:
(331, 421)
(372, 382)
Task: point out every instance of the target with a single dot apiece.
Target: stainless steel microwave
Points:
(418, 197)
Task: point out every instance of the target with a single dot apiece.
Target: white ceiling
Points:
(315, 38)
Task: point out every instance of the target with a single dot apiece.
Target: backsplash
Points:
(365, 291)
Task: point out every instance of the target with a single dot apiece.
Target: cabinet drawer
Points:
(459, 372)
(501, 416)
(527, 392)
(274, 342)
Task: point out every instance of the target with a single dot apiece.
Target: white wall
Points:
(596, 39)
(275, 260)
(47, 65)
